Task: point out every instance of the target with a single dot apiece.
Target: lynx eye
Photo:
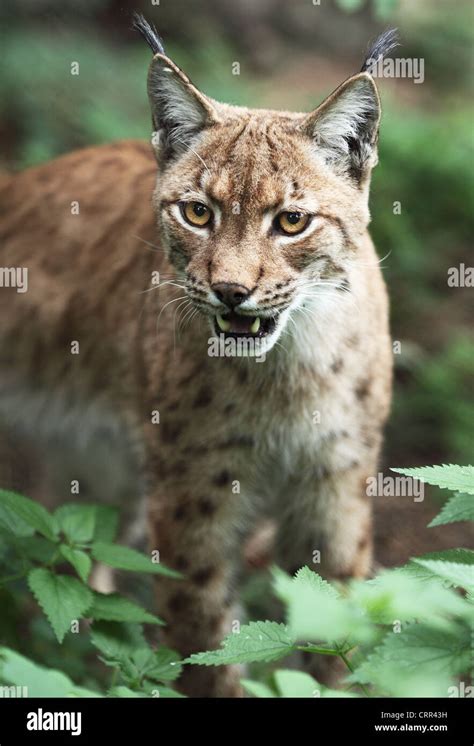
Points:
(196, 213)
(291, 223)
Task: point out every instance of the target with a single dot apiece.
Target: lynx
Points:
(206, 322)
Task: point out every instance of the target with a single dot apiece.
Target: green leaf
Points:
(124, 558)
(397, 595)
(63, 599)
(106, 523)
(460, 507)
(81, 561)
(457, 573)
(257, 641)
(77, 522)
(305, 579)
(164, 665)
(144, 663)
(418, 661)
(29, 512)
(315, 610)
(296, 684)
(124, 691)
(36, 548)
(447, 476)
(115, 608)
(117, 640)
(17, 670)
(257, 689)
(12, 522)
(459, 556)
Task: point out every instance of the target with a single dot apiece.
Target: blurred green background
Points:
(291, 54)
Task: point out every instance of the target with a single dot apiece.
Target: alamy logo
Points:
(13, 691)
(380, 486)
(14, 277)
(222, 346)
(399, 67)
(41, 720)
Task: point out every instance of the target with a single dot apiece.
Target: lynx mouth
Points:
(235, 325)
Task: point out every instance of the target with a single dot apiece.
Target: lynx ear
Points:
(179, 111)
(345, 126)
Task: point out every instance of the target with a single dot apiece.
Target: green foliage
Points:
(458, 508)
(77, 522)
(115, 608)
(450, 477)
(17, 670)
(19, 511)
(257, 641)
(63, 599)
(38, 545)
(406, 632)
(124, 558)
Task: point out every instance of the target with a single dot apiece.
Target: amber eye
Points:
(196, 213)
(292, 222)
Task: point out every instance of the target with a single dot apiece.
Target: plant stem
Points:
(313, 649)
(351, 669)
(113, 678)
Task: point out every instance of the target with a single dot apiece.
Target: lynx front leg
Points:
(328, 526)
(329, 529)
(194, 534)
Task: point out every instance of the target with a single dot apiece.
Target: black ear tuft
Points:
(380, 48)
(149, 33)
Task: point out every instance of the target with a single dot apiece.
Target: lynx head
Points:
(260, 210)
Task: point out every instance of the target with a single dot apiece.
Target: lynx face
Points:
(257, 208)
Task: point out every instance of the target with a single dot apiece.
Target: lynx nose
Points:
(230, 293)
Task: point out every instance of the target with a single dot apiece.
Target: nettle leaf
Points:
(415, 570)
(17, 670)
(115, 608)
(257, 641)
(124, 558)
(458, 508)
(304, 578)
(296, 684)
(106, 523)
(81, 561)
(144, 663)
(316, 611)
(36, 548)
(30, 512)
(13, 524)
(418, 660)
(402, 596)
(62, 598)
(457, 573)
(77, 522)
(447, 476)
(462, 556)
(117, 640)
(164, 665)
(124, 691)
